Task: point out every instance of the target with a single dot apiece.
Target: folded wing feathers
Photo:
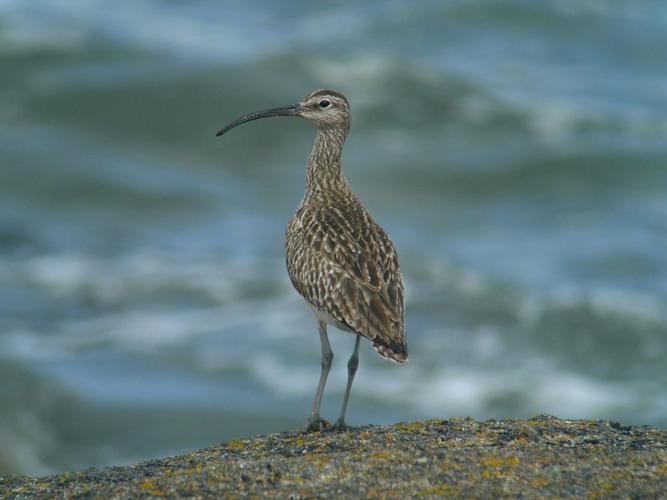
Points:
(367, 291)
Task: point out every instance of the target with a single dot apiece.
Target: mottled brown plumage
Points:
(338, 258)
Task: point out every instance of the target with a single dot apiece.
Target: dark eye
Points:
(324, 103)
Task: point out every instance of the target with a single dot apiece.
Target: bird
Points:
(338, 258)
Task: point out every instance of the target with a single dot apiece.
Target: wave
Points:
(208, 335)
(521, 167)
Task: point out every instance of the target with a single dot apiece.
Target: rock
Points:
(543, 456)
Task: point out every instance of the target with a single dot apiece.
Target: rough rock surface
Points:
(543, 456)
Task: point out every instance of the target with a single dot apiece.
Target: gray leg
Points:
(315, 422)
(352, 366)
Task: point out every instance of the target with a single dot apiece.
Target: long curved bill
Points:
(290, 110)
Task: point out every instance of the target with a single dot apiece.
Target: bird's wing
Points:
(339, 247)
(364, 280)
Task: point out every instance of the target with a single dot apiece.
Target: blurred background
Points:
(514, 150)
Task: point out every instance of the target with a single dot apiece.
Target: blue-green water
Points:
(515, 151)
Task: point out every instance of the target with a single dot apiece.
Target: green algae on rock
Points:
(543, 456)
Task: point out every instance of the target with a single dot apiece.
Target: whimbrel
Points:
(338, 258)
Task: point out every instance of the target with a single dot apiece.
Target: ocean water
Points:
(515, 151)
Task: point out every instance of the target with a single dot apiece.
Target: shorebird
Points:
(338, 258)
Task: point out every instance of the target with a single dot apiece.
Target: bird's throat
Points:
(324, 167)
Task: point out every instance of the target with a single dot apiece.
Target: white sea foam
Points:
(605, 301)
(460, 389)
(474, 391)
(206, 31)
(145, 331)
(212, 295)
(114, 279)
(201, 350)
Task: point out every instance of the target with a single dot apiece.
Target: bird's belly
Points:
(325, 317)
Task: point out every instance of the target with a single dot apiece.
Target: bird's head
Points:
(326, 109)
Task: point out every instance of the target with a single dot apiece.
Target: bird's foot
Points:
(315, 423)
(340, 425)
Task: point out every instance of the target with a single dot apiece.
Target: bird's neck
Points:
(324, 168)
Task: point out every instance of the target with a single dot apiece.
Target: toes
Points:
(340, 425)
(315, 424)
